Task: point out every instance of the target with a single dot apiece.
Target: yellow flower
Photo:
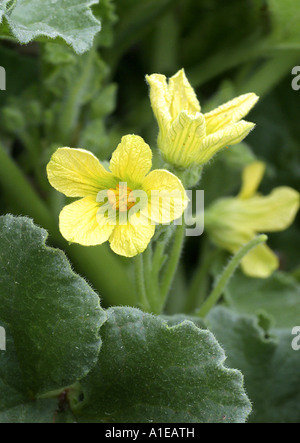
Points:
(121, 205)
(232, 222)
(186, 136)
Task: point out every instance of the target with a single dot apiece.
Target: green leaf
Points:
(278, 296)
(270, 366)
(41, 411)
(15, 405)
(52, 315)
(3, 7)
(149, 372)
(173, 320)
(11, 377)
(70, 20)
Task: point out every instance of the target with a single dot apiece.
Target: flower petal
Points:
(231, 135)
(183, 140)
(182, 95)
(132, 160)
(271, 213)
(261, 262)
(274, 212)
(229, 113)
(77, 173)
(133, 238)
(252, 177)
(160, 100)
(168, 198)
(79, 223)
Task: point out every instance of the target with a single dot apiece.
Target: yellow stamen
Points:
(120, 199)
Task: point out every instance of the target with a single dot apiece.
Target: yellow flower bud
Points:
(186, 136)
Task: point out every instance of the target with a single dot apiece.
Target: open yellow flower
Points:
(232, 222)
(186, 136)
(122, 205)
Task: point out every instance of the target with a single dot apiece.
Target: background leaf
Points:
(70, 20)
(277, 296)
(270, 366)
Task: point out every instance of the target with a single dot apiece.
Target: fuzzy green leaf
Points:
(149, 372)
(70, 20)
(41, 411)
(51, 314)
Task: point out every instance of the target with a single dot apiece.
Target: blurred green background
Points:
(56, 98)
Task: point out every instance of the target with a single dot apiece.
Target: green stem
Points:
(153, 263)
(199, 285)
(140, 283)
(172, 265)
(147, 269)
(151, 272)
(158, 257)
(227, 274)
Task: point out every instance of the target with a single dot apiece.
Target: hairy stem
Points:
(172, 265)
(199, 285)
(227, 274)
(141, 284)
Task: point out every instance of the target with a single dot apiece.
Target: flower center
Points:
(120, 198)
